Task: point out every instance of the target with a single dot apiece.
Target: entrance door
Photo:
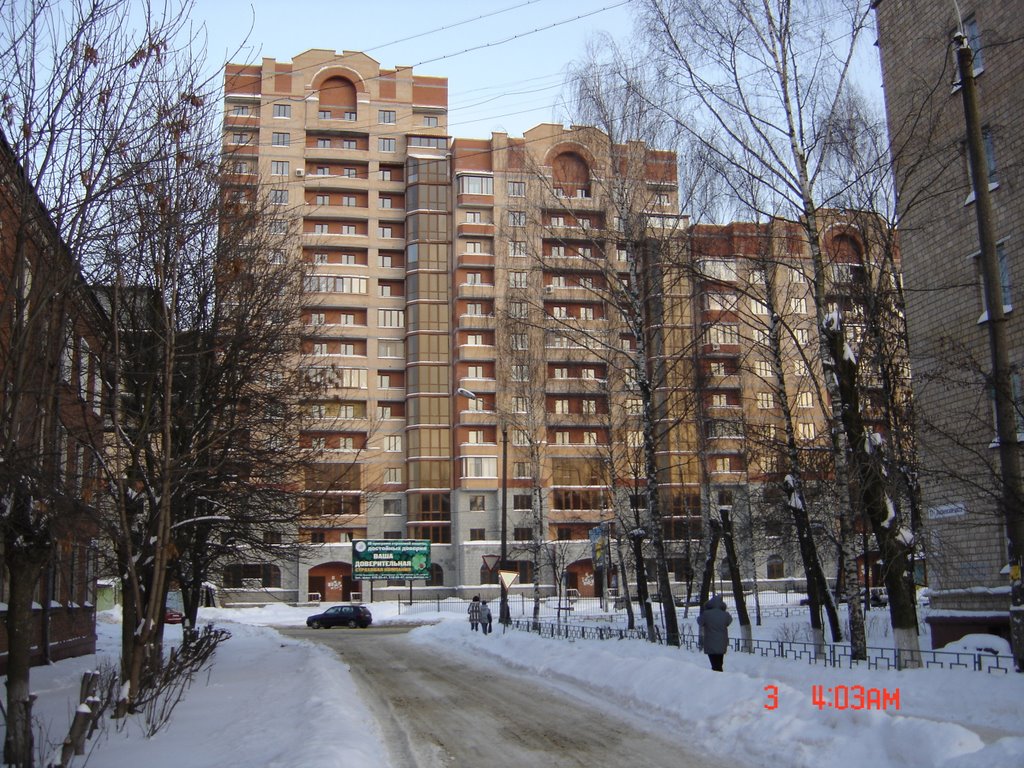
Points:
(317, 586)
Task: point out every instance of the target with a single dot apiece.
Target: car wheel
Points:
(316, 625)
(352, 624)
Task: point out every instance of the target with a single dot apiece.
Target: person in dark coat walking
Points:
(474, 613)
(715, 620)
(485, 618)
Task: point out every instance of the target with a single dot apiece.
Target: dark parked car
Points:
(342, 616)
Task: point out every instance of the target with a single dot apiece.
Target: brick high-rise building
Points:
(485, 314)
(967, 554)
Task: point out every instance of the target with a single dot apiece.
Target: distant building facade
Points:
(469, 313)
(966, 545)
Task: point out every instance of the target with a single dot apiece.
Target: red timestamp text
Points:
(842, 697)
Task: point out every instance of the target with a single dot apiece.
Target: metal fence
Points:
(831, 654)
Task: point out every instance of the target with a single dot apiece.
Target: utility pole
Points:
(1002, 382)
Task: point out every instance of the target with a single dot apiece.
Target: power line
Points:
(450, 26)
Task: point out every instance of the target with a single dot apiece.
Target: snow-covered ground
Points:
(268, 700)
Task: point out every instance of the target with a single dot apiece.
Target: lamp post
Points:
(503, 615)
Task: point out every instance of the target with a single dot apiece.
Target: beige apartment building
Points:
(492, 318)
(947, 317)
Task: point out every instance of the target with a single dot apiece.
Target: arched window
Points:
(571, 175)
(436, 576)
(776, 567)
(337, 92)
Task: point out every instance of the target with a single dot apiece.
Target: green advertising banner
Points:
(390, 559)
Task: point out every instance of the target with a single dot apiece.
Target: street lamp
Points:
(503, 615)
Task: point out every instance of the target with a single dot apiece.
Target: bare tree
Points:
(768, 80)
(73, 79)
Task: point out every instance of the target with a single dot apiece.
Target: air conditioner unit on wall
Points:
(300, 172)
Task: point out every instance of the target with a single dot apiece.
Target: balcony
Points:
(476, 229)
(475, 290)
(476, 352)
(484, 322)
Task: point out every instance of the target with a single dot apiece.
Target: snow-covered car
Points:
(172, 616)
(341, 616)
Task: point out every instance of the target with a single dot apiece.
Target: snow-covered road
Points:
(446, 710)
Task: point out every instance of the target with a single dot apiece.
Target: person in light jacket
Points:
(474, 613)
(715, 620)
(485, 618)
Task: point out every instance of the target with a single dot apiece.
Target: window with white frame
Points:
(521, 470)
(517, 189)
(560, 312)
(474, 278)
(520, 372)
(517, 218)
(724, 333)
(518, 309)
(804, 400)
(720, 302)
(800, 367)
(278, 167)
(390, 318)
(348, 229)
(759, 307)
(801, 336)
(561, 437)
(474, 339)
(479, 466)
(561, 406)
(385, 231)
(719, 400)
(475, 436)
(557, 251)
(1004, 279)
(473, 217)
(475, 372)
(320, 229)
(560, 373)
(393, 475)
(719, 269)
(478, 405)
(323, 143)
(520, 404)
(517, 248)
(519, 341)
(798, 306)
(634, 406)
(588, 406)
(387, 116)
(476, 185)
(586, 313)
(280, 139)
(558, 221)
(765, 400)
(385, 144)
(805, 430)
(796, 275)
(393, 443)
(474, 309)
(282, 110)
(590, 438)
(723, 464)
(430, 121)
(763, 369)
(557, 281)
(323, 199)
(520, 437)
(390, 348)
(473, 246)
(349, 144)
(317, 318)
(279, 196)
(517, 279)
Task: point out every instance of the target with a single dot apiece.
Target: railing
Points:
(831, 655)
